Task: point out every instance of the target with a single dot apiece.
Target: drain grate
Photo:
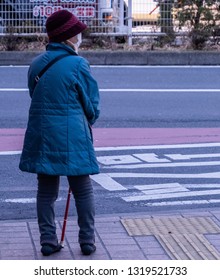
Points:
(182, 238)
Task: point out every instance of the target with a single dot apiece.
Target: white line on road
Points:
(167, 191)
(130, 66)
(213, 175)
(191, 156)
(159, 186)
(183, 202)
(107, 182)
(19, 200)
(159, 90)
(167, 195)
(176, 185)
(155, 66)
(170, 164)
(132, 90)
(25, 200)
(10, 153)
(13, 89)
(149, 147)
(202, 186)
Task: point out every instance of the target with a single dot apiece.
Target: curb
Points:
(124, 58)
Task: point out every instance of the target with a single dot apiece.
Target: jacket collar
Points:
(60, 47)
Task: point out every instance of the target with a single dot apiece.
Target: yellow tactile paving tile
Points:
(182, 238)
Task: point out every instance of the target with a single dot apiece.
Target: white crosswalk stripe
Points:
(196, 163)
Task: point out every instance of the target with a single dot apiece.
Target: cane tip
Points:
(62, 244)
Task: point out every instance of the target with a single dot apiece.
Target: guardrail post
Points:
(130, 22)
(121, 16)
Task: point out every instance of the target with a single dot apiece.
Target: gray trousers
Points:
(48, 188)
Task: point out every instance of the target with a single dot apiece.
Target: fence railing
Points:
(29, 16)
(104, 17)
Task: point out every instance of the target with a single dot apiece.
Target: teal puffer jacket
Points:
(64, 105)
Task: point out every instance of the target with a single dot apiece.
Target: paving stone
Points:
(136, 257)
(112, 240)
(157, 251)
(57, 256)
(124, 248)
(17, 246)
(92, 257)
(149, 238)
(127, 255)
(120, 241)
(196, 214)
(158, 257)
(213, 236)
(112, 228)
(17, 253)
(105, 236)
(12, 234)
(14, 240)
(13, 224)
(20, 258)
(107, 219)
(150, 246)
(6, 229)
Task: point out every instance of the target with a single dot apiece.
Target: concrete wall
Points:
(125, 58)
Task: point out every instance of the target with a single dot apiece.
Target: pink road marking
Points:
(12, 139)
(154, 136)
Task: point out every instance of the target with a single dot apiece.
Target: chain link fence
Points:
(107, 17)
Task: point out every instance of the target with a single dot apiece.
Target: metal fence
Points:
(104, 17)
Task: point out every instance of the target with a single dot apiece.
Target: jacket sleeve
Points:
(88, 92)
(30, 82)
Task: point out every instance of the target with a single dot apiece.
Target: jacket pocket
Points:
(90, 130)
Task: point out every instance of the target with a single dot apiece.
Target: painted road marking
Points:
(107, 182)
(170, 164)
(160, 90)
(173, 193)
(13, 89)
(131, 161)
(191, 156)
(118, 159)
(129, 66)
(147, 147)
(25, 200)
(132, 90)
(178, 193)
(210, 175)
(151, 147)
(10, 153)
(150, 157)
(183, 202)
(20, 200)
(12, 139)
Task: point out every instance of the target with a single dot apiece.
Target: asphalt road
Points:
(130, 97)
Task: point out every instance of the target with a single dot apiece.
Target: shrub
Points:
(200, 18)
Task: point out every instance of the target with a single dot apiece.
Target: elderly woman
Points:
(58, 140)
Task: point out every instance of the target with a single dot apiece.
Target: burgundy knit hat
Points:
(63, 25)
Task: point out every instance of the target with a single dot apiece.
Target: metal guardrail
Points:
(104, 17)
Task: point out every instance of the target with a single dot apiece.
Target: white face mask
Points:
(77, 44)
(79, 38)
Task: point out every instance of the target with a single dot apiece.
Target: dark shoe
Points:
(87, 249)
(48, 249)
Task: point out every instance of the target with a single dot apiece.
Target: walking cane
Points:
(65, 217)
